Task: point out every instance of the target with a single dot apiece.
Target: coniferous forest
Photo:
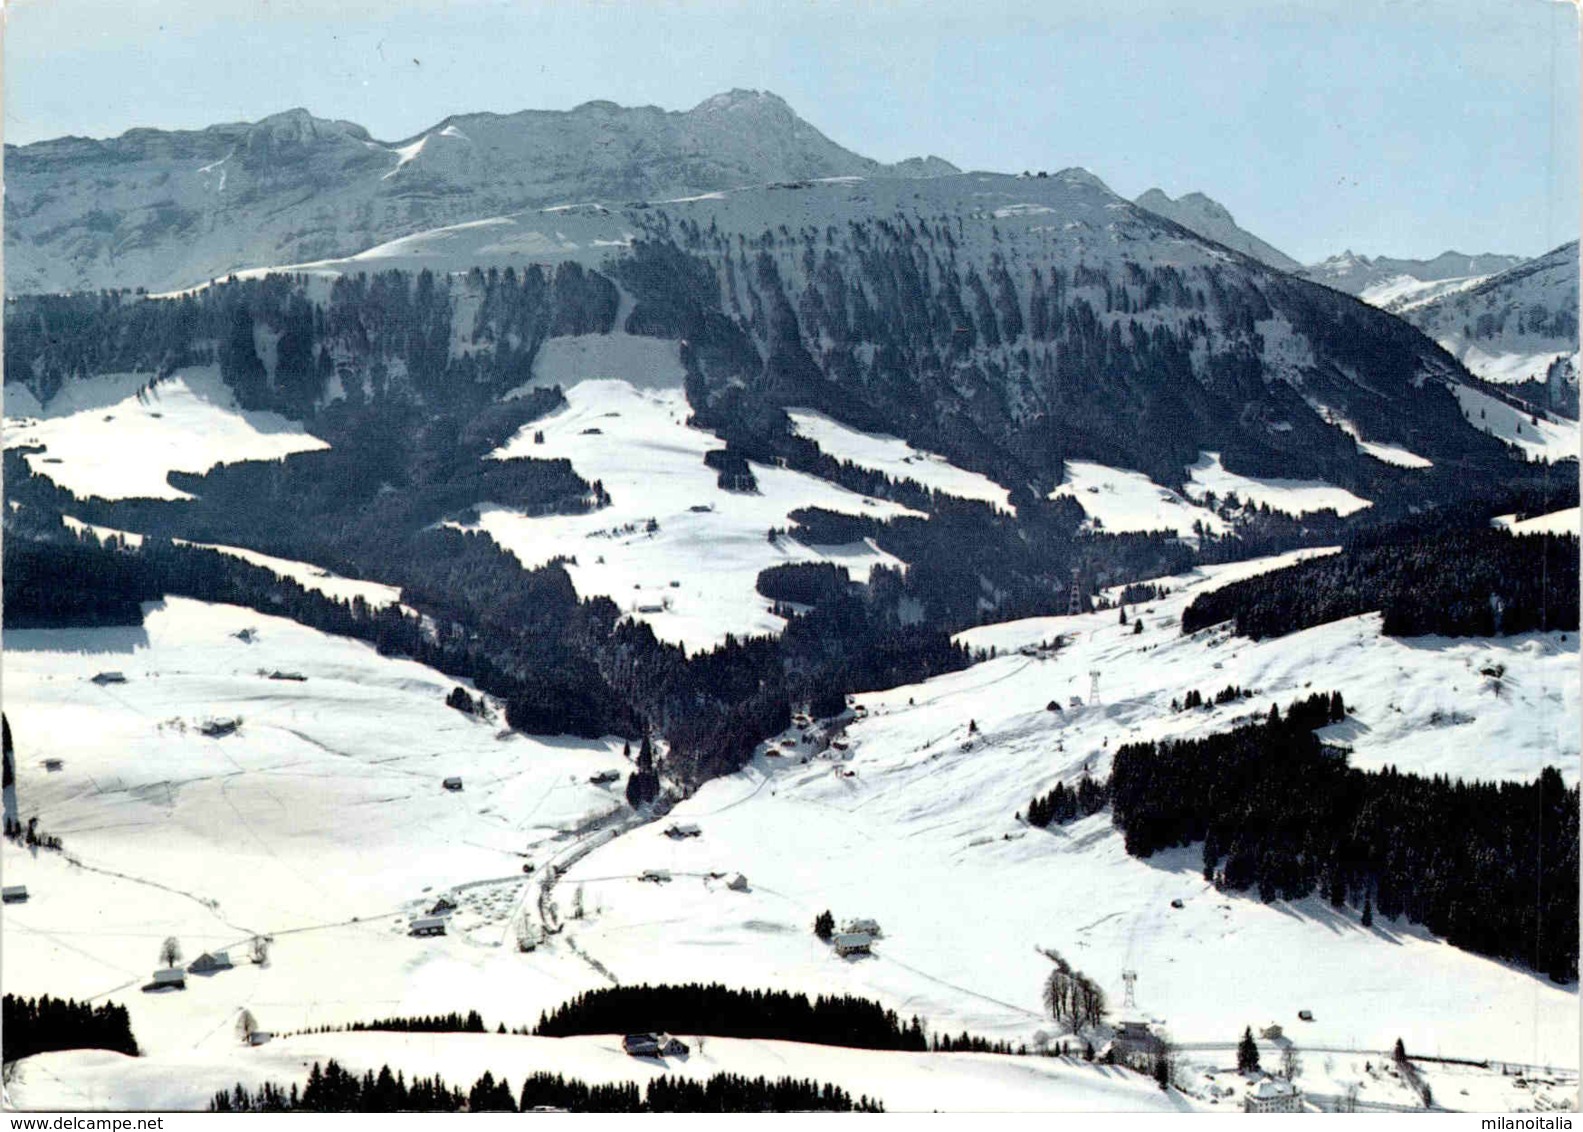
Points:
(334, 1089)
(29, 1026)
(1491, 867)
(720, 1011)
(1461, 583)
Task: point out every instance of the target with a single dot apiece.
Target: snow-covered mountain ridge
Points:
(1517, 326)
(160, 208)
(1359, 274)
(1211, 219)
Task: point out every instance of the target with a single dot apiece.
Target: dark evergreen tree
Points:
(824, 925)
(1247, 1053)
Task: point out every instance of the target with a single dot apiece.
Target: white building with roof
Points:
(853, 943)
(1273, 1095)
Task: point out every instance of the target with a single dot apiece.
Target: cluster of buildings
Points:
(175, 976)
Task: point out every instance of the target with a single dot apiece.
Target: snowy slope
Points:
(112, 437)
(1540, 437)
(1008, 239)
(166, 209)
(1399, 293)
(1117, 500)
(1393, 454)
(1387, 280)
(1210, 219)
(1563, 522)
(922, 836)
(308, 576)
(320, 821)
(896, 458)
(1295, 497)
(636, 442)
(1510, 326)
(904, 1082)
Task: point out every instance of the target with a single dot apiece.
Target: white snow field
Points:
(1388, 453)
(1295, 497)
(1505, 368)
(692, 576)
(914, 825)
(1118, 500)
(896, 458)
(1404, 292)
(1563, 522)
(320, 821)
(308, 576)
(902, 1081)
(108, 436)
(642, 361)
(1548, 439)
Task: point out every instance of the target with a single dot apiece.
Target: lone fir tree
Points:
(1247, 1053)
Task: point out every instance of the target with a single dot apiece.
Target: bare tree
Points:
(1291, 1064)
(246, 1026)
(170, 952)
(577, 903)
(1071, 996)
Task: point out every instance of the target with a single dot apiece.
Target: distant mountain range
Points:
(1518, 326)
(1372, 278)
(1508, 319)
(1384, 281)
(160, 208)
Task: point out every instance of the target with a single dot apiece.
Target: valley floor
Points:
(322, 823)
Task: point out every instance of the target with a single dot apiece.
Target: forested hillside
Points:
(1493, 867)
(1469, 583)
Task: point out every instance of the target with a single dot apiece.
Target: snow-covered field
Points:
(692, 574)
(310, 577)
(1118, 500)
(1539, 437)
(108, 436)
(1295, 497)
(1403, 292)
(1563, 522)
(1388, 453)
(320, 821)
(902, 1081)
(896, 458)
(1505, 367)
(914, 825)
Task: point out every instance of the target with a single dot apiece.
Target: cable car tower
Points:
(1075, 604)
(1130, 998)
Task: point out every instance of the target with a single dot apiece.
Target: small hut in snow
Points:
(853, 943)
(209, 962)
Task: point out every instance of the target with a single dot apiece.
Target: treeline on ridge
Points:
(1458, 583)
(720, 1011)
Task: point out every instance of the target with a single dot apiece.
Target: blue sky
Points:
(1400, 127)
